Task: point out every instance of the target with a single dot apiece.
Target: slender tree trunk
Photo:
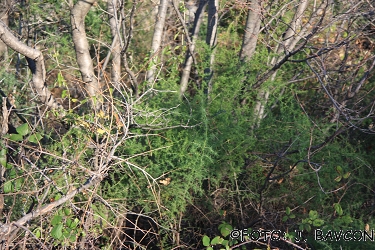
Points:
(211, 39)
(5, 5)
(251, 30)
(35, 62)
(291, 37)
(78, 14)
(190, 52)
(156, 39)
(112, 6)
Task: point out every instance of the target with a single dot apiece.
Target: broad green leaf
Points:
(225, 229)
(339, 170)
(338, 178)
(73, 237)
(3, 152)
(346, 175)
(23, 129)
(8, 187)
(18, 183)
(35, 138)
(37, 233)
(216, 240)
(60, 80)
(3, 161)
(57, 197)
(69, 222)
(285, 218)
(16, 137)
(338, 209)
(67, 211)
(313, 214)
(64, 94)
(206, 241)
(12, 174)
(57, 231)
(74, 223)
(225, 242)
(287, 210)
(56, 220)
(318, 223)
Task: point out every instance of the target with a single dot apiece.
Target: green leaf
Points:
(318, 223)
(3, 152)
(69, 222)
(73, 237)
(338, 178)
(3, 161)
(338, 209)
(74, 224)
(57, 231)
(339, 170)
(35, 138)
(225, 242)
(64, 94)
(206, 241)
(37, 233)
(18, 183)
(60, 80)
(12, 174)
(287, 210)
(225, 229)
(56, 220)
(57, 197)
(8, 187)
(292, 216)
(66, 211)
(346, 175)
(347, 219)
(23, 129)
(16, 137)
(210, 248)
(216, 240)
(313, 214)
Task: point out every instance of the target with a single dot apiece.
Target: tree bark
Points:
(251, 30)
(292, 35)
(211, 39)
(156, 39)
(4, 17)
(36, 64)
(81, 45)
(190, 52)
(112, 6)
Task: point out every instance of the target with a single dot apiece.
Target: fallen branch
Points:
(7, 229)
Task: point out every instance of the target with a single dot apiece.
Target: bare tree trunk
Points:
(211, 39)
(112, 6)
(4, 5)
(156, 39)
(78, 13)
(36, 64)
(292, 35)
(251, 30)
(189, 54)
